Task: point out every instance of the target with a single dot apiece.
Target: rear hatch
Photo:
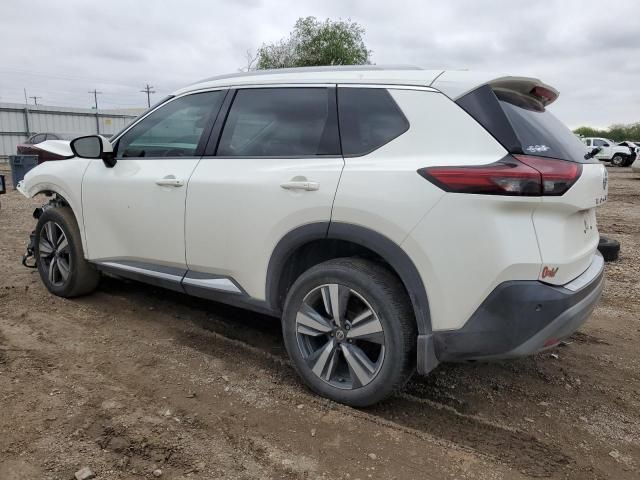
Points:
(514, 110)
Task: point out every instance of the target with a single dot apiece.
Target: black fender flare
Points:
(390, 251)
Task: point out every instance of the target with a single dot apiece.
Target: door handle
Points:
(170, 181)
(300, 185)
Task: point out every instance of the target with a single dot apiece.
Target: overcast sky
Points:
(589, 50)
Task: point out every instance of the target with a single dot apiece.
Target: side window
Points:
(369, 118)
(274, 122)
(598, 143)
(39, 138)
(588, 142)
(174, 130)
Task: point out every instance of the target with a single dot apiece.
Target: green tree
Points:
(314, 43)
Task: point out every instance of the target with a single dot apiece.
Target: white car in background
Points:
(635, 150)
(610, 151)
(392, 218)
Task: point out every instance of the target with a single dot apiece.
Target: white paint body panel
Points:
(459, 243)
(57, 147)
(382, 190)
(128, 216)
(63, 177)
(566, 226)
(237, 212)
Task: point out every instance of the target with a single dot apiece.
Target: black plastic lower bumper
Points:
(518, 318)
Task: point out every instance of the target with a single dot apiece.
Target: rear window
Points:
(522, 125)
(539, 131)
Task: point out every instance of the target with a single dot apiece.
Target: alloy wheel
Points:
(340, 336)
(54, 253)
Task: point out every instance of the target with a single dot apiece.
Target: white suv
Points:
(610, 151)
(393, 218)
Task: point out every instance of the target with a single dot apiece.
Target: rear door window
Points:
(369, 119)
(281, 122)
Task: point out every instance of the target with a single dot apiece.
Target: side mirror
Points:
(94, 147)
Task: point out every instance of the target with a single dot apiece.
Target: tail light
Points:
(517, 175)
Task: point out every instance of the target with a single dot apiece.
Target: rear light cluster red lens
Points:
(517, 175)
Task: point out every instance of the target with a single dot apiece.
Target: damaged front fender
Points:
(62, 179)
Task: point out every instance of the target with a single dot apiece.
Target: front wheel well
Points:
(57, 201)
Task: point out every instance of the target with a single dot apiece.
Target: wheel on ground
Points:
(618, 160)
(350, 331)
(59, 256)
(609, 248)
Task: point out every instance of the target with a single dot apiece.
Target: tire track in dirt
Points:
(420, 415)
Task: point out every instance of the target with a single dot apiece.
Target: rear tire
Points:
(618, 160)
(369, 352)
(59, 256)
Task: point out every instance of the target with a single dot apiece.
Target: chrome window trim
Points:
(275, 85)
(113, 140)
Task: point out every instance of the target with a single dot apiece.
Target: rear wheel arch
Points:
(311, 244)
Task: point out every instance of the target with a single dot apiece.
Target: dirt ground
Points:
(133, 379)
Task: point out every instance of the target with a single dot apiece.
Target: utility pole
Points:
(148, 91)
(26, 113)
(95, 99)
(35, 100)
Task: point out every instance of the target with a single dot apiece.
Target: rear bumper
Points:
(518, 318)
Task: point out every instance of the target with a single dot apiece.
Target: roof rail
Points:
(327, 68)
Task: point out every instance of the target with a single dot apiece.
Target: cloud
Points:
(61, 50)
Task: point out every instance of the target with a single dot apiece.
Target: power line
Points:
(50, 75)
(148, 91)
(95, 97)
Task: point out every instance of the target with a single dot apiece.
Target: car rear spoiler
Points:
(530, 87)
(457, 83)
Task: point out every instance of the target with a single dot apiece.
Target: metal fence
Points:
(18, 122)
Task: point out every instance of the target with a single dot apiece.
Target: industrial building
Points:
(19, 121)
